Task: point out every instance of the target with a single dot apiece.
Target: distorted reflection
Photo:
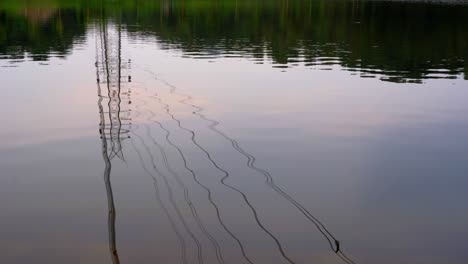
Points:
(115, 126)
(234, 131)
(353, 35)
(115, 122)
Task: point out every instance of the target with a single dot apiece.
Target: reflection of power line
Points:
(270, 182)
(335, 245)
(171, 199)
(222, 181)
(169, 188)
(160, 202)
(193, 210)
(195, 178)
(210, 198)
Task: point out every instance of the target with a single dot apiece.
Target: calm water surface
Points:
(234, 131)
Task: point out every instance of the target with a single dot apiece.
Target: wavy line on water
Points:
(186, 196)
(270, 182)
(210, 198)
(269, 179)
(171, 199)
(166, 211)
(222, 181)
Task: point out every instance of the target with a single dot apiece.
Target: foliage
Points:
(402, 41)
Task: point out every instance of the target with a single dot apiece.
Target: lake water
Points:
(234, 131)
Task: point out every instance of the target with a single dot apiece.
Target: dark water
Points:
(234, 131)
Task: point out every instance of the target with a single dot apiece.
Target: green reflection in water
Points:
(396, 41)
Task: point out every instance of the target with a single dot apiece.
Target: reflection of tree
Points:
(399, 41)
(40, 33)
(38, 15)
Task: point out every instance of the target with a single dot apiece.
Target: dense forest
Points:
(422, 39)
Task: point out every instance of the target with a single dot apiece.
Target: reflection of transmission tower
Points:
(114, 123)
(109, 74)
